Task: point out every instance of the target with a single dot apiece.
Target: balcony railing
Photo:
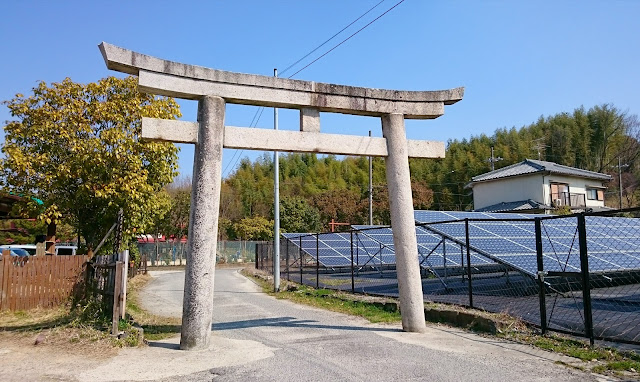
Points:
(570, 199)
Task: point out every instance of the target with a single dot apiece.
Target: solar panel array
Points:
(613, 242)
(334, 249)
(433, 251)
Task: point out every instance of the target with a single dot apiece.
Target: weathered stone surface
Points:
(189, 88)
(309, 120)
(197, 309)
(127, 61)
(166, 130)
(404, 232)
(286, 140)
(179, 80)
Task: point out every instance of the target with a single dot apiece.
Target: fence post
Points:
(300, 253)
(541, 293)
(462, 263)
(466, 229)
(287, 259)
(117, 291)
(586, 284)
(353, 285)
(317, 261)
(444, 256)
(125, 269)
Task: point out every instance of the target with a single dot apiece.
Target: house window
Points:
(595, 194)
(560, 194)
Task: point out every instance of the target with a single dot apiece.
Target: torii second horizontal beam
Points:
(286, 140)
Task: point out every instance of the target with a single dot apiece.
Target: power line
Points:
(330, 38)
(324, 54)
(239, 152)
(346, 39)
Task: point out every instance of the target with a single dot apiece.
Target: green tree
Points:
(77, 148)
(254, 228)
(298, 216)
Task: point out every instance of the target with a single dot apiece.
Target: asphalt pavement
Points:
(257, 337)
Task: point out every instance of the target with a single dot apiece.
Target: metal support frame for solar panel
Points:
(319, 256)
(430, 267)
(477, 250)
(371, 257)
(290, 238)
(373, 236)
(382, 245)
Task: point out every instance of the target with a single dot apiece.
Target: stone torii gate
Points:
(213, 89)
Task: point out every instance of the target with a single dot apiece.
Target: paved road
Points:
(272, 339)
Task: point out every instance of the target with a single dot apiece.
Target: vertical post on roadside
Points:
(586, 283)
(353, 286)
(444, 256)
(276, 206)
(317, 261)
(541, 288)
(300, 253)
(370, 188)
(466, 226)
(287, 257)
(462, 262)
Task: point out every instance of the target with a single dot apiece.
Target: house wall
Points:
(508, 190)
(536, 187)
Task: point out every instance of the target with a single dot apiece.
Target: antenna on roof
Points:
(493, 160)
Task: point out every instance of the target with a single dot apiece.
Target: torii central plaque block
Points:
(213, 89)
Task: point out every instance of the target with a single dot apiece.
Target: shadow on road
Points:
(292, 322)
(166, 345)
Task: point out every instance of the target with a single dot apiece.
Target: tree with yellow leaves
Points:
(77, 148)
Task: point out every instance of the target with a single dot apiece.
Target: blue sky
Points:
(517, 60)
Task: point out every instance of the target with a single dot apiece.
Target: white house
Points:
(538, 186)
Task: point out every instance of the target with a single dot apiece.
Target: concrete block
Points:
(309, 120)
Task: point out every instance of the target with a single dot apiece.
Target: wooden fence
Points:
(38, 281)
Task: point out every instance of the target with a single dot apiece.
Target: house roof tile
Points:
(531, 166)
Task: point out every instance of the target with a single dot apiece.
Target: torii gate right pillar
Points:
(403, 224)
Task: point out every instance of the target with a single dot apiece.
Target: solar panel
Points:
(334, 249)
(426, 216)
(613, 243)
(432, 249)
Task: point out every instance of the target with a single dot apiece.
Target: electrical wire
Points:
(346, 39)
(239, 152)
(330, 38)
(314, 61)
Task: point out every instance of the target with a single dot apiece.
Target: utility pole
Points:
(493, 160)
(370, 187)
(620, 166)
(276, 206)
(539, 145)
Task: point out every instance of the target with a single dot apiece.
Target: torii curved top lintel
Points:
(179, 80)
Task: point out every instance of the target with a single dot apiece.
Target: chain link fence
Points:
(577, 274)
(175, 253)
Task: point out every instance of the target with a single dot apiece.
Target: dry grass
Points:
(26, 320)
(53, 330)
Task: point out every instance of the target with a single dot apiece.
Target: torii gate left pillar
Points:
(197, 308)
(213, 88)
